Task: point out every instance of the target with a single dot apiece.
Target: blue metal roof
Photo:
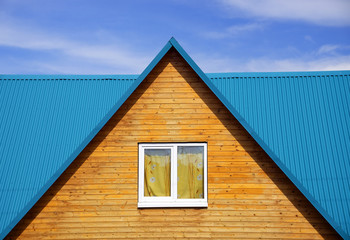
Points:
(302, 120)
(46, 121)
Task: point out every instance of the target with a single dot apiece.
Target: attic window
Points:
(172, 175)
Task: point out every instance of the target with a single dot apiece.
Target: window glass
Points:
(157, 173)
(190, 178)
(172, 175)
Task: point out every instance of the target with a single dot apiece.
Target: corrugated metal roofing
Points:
(45, 122)
(302, 120)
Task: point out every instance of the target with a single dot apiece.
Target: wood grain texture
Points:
(249, 196)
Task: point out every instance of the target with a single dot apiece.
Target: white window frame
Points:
(172, 201)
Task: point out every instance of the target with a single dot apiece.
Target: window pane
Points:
(157, 172)
(190, 182)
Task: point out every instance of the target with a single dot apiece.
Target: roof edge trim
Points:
(86, 141)
(256, 137)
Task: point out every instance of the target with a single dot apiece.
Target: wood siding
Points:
(249, 196)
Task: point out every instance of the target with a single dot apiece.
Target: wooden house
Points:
(175, 153)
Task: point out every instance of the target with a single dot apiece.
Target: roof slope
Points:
(302, 120)
(45, 123)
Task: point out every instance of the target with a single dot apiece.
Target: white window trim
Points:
(172, 201)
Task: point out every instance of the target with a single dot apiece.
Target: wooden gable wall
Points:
(249, 196)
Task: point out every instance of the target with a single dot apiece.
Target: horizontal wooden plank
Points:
(216, 229)
(180, 96)
(148, 126)
(221, 204)
(185, 74)
(131, 175)
(217, 155)
(197, 106)
(170, 138)
(178, 235)
(122, 114)
(204, 224)
(193, 100)
(214, 209)
(233, 159)
(211, 148)
(105, 193)
(97, 186)
(147, 215)
(161, 122)
(156, 132)
(133, 196)
(134, 170)
(177, 89)
(286, 219)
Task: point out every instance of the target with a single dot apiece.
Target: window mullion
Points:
(174, 173)
(141, 173)
(205, 172)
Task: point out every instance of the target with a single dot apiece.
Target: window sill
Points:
(198, 204)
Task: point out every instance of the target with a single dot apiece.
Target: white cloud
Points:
(31, 38)
(304, 63)
(322, 64)
(328, 49)
(321, 12)
(234, 31)
(309, 38)
(333, 49)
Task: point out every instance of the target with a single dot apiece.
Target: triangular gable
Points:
(301, 119)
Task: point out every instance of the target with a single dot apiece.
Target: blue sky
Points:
(122, 37)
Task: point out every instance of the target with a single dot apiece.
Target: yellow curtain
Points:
(157, 173)
(190, 172)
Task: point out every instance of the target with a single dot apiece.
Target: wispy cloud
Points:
(328, 49)
(36, 39)
(265, 64)
(321, 64)
(309, 39)
(234, 31)
(321, 12)
(333, 49)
